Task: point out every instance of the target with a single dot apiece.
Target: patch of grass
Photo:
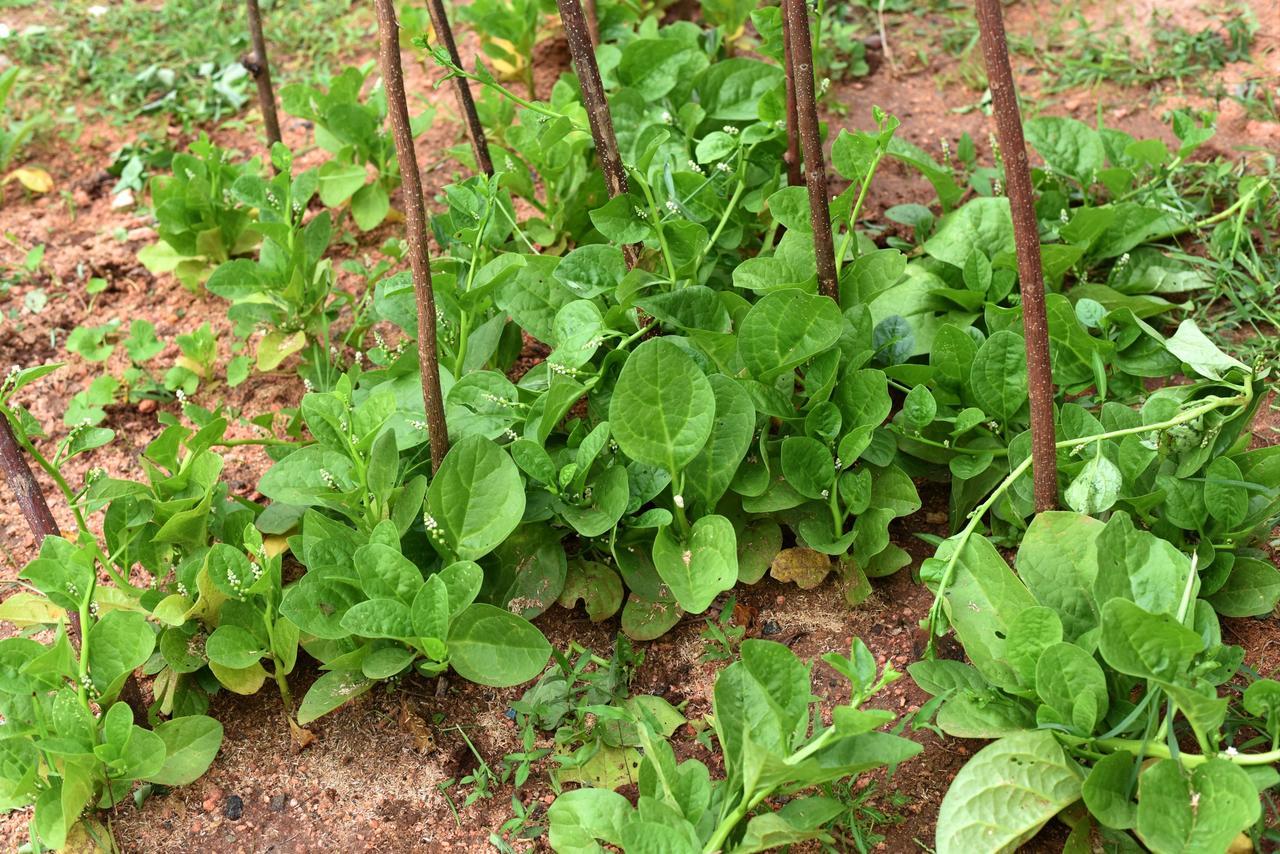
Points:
(181, 60)
(1077, 53)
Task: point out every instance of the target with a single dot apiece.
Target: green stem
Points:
(849, 242)
(975, 518)
(656, 218)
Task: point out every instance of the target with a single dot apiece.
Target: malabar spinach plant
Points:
(770, 732)
(1100, 675)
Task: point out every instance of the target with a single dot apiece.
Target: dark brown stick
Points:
(593, 20)
(1026, 231)
(593, 98)
(792, 157)
(31, 501)
(257, 65)
(416, 226)
(24, 485)
(466, 103)
(815, 168)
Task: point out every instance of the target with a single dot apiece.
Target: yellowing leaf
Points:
(35, 180)
(806, 568)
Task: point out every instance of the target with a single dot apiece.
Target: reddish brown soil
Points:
(368, 782)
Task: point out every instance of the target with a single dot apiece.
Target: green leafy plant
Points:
(1094, 668)
(13, 136)
(200, 221)
(351, 129)
(774, 744)
(388, 585)
(288, 290)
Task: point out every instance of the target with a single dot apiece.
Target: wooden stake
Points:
(810, 133)
(257, 65)
(466, 103)
(593, 97)
(1026, 232)
(792, 157)
(31, 501)
(416, 228)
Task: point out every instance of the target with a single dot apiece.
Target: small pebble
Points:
(277, 803)
(770, 628)
(146, 406)
(234, 808)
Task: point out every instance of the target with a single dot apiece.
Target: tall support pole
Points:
(416, 226)
(583, 52)
(792, 157)
(1026, 232)
(462, 87)
(31, 501)
(260, 68)
(815, 168)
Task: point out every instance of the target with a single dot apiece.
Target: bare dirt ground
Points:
(370, 781)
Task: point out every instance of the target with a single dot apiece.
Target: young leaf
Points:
(476, 498)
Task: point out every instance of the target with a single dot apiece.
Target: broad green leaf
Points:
(1251, 590)
(998, 378)
(329, 692)
(984, 598)
(581, 817)
(1071, 682)
(709, 474)
(490, 646)
(118, 643)
(1068, 146)
(983, 223)
(1005, 794)
(699, 569)
(476, 498)
(786, 328)
(1108, 791)
(234, 647)
(1096, 488)
(1146, 645)
(191, 743)
(663, 407)
(379, 618)
(1199, 812)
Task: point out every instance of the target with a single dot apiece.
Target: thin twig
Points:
(578, 34)
(462, 87)
(258, 66)
(416, 227)
(1026, 232)
(815, 169)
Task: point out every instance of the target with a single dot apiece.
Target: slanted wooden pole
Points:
(815, 168)
(466, 103)
(416, 227)
(257, 65)
(1026, 232)
(792, 157)
(583, 52)
(35, 509)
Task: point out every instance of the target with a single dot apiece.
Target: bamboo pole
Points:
(416, 228)
(462, 87)
(810, 133)
(257, 65)
(35, 509)
(1026, 231)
